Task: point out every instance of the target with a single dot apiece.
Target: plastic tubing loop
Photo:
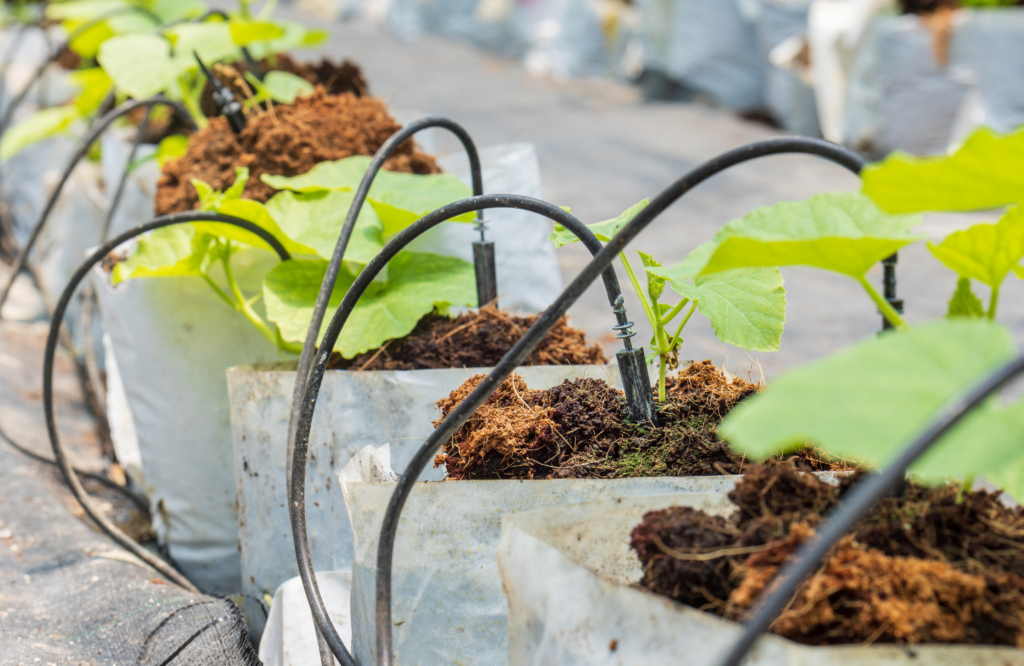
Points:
(334, 266)
(51, 348)
(526, 344)
(296, 497)
(856, 503)
(83, 148)
(77, 32)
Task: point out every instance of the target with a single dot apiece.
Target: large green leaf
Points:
(247, 32)
(869, 401)
(213, 41)
(166, 252)
(985, 252)
(343, 174)
(175, 10)
(284, 87)
(296, 36)
(603, 230)
(139, 65)
(417, 283)
(40, 125)
(82, 10)
(987, 171)
(746, 306)
(315, 220)
(839, 231)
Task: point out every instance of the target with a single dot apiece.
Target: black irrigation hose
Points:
(856, 503)
(515, 356)
(334, 266)
(51, 349)
(115, 202)
(77, 32)
(98, 478)
(80, 152)
(296, 495)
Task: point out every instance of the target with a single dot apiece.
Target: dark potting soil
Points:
(931, 566)
(289, 141)
(477, 339)
(580, 429)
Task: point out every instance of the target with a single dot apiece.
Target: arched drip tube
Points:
(51, 349)
(857, 502)
(83, 148)
(300, 441)
(545, 322)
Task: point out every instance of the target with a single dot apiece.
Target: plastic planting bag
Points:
(568, 574)
(448, 605)
(354, 410)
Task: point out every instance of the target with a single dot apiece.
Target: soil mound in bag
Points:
(570, 576)
(933, 565)
(291, 141)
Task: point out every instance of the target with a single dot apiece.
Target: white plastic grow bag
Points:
(568, 574)
(173, 339)
(290, 637)
(447, 602)
(354, 410)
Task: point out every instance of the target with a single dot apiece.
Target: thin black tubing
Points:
(80, 30)
(83, 148)
(296, 497)
(334, 266)
(526, 344)
(856, 503)
(51, 349)
(119, 192)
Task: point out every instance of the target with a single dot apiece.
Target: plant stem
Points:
(883, 305)
(663, 351)
(192, 104)
(992, 302)
(243, 9)
(648, 310)
(242, 304)
(965, 488)
(670, 315)
(679, 331)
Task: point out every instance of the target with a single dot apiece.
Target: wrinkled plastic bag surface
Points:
(568, 573)
(290, 637)
(354, 410)
(448, 605)
(563, 39)
(174, 339)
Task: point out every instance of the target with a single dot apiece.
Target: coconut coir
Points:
(580, 429)
(288, 142)
(930, 566)
(477, 339)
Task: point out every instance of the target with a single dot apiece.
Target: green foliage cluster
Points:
(868, 401)
(307, 216)
(141, 53)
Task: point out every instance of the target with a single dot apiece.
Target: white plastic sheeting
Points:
(290, 637)
(568, 572)
(447, 601)
(354, 410)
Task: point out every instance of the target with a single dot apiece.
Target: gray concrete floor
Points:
(603, 149)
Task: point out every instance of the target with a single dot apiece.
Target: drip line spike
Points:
(228, 106)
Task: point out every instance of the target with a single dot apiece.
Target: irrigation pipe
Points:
(51, 349)
(504, 368)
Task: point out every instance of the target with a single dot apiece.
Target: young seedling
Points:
(746, 306)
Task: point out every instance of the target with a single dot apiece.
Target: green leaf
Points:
(987, 171)
(94, 85)
(869, 401)
(964, 303)
(1010, 475)
(655, 283)
(840, 231)
(315, 220)
(40, 125)
(211, 40)
(247, 32)
(176, 10)
(296, 36)
(343, 174)
(139, 65)
(417, 283)
(746, 306)
(284, 87)
(314, 37)
(171, 147)
(81, 10)
(985, 252)
(166, 252)
(603, 230)
(87, 42)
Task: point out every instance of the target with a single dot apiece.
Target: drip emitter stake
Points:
(228, 106)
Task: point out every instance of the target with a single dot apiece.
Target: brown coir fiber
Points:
(930, 566)
(291, 141)
(477, 339)
(580, 429)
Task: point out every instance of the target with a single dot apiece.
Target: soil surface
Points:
(477, 339)
(932, 565)
(581, 429)
(289, 141)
